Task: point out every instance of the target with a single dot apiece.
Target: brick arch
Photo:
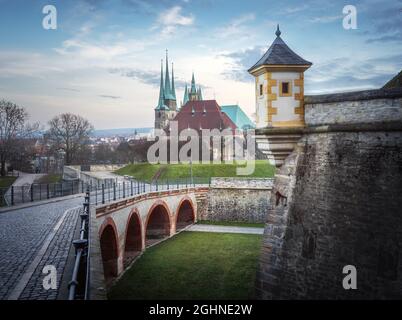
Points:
(133, 242)
(158, 223)
(185, 213)
(109, 243)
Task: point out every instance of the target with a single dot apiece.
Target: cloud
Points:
(89, 51)
(109, 97)
(148, 77)
(69, 89)
(171, 19)
(240, 62)
(387, 25)
(237, 27)
(347, 74)
(325, 19)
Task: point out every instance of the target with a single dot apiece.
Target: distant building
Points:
(279, 86)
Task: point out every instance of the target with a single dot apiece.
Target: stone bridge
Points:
(122, 230)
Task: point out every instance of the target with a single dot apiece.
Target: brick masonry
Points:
(336, 201)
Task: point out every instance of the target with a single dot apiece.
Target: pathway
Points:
(225, 229)
(30, 238)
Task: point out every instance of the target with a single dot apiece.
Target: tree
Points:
(69, 132)
(14, 132)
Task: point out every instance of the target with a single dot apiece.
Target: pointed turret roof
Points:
(161, 104)
(280, 54)
(173, 88)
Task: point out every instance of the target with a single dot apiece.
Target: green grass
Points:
(194, 265)
(146, 171)
(232, 223)
(6, 182)
(49, 178)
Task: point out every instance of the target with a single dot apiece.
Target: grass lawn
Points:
(6, 182)
(146, 171)
(140, 171)
(232, 223)
(194, 265)
(49, 178)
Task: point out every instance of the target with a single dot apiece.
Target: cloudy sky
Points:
(103, 59)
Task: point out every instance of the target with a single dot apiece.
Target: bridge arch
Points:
(109, 244)
(133, 243)
(185, 214)
(158, 224)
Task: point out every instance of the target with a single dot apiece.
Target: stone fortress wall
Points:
(336, 201)
(236, 199)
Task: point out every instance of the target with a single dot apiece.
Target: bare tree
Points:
(69, 132)
(14, 130)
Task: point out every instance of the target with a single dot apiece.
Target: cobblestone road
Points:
(22, 235)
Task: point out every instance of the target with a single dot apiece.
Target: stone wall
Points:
(337, 201)
(237, 199)
(370, 106)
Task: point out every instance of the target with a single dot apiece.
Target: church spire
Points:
(161, 104)
(193, 88)
(278, 32)
(173, 88)
(185, 98)
(168, 93)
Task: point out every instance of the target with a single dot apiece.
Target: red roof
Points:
(204, 114)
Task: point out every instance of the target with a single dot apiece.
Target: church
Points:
(194, 112)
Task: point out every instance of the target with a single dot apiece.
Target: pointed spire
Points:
(186, 98)
(168, 93)
(199, 93)
(161, 103)
(173, 88)
(193, 88)
(278, 32)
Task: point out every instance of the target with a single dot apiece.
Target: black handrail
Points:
(80, 277)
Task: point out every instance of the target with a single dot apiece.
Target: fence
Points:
(78, 288)
(103, 191)
(114, 191)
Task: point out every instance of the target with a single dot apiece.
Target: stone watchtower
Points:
(279, 86)
(279, 100)
(166, 109)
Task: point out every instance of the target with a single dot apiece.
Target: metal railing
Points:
(107, 193)
(103, 191)
(79, 285)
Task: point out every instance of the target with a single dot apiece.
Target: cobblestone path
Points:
(24, 233)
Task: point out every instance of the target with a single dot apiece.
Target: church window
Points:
(261, 90)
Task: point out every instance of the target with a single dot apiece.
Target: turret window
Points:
(261, 89)
(285, 89)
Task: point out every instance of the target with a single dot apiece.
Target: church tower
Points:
(166, 109)
(279, 86)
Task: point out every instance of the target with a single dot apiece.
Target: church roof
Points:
(204, 114)
(238, 117)
(280, 54)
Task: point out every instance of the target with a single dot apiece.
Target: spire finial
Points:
(278, 32)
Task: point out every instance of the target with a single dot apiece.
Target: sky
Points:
(103, 60)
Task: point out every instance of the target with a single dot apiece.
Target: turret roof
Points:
(280, 54)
